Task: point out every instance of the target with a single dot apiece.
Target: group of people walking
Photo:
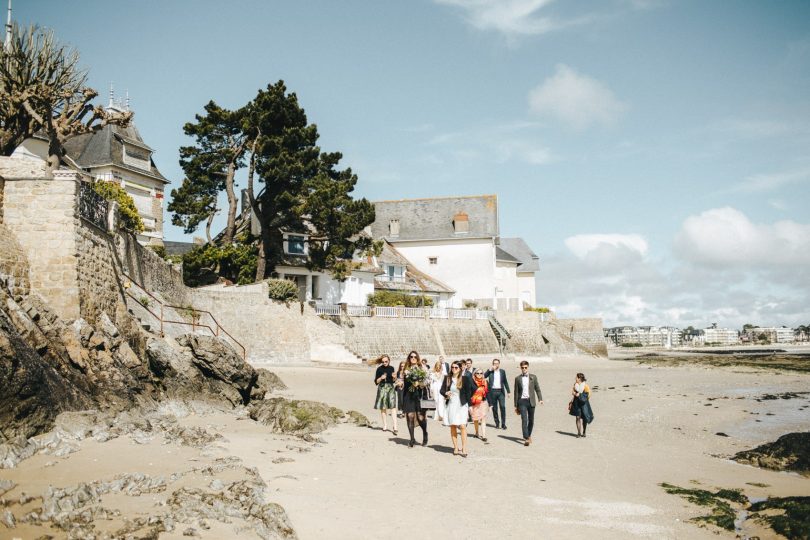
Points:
(459, 394)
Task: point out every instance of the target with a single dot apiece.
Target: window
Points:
(395, 273)
(461, 223)
(433, 260)
(393, 227)
(295, 244)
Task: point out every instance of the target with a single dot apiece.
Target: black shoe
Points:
(411, 443)
(497, 426)
(424, 440)
(503, 426)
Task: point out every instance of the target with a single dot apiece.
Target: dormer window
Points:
(393, 227)
(295, 244)
(137, 157)
(461, 223)
(395, 273)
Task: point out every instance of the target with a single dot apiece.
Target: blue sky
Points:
(654, 154)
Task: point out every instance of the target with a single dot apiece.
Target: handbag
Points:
(570, 405)
(426, 401)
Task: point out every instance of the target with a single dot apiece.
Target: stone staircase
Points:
(501, 333)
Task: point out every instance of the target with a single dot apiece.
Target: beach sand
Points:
(651, 425)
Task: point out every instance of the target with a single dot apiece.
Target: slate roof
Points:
(106, 147)
(432, 219)
(501, 255)
(178, 248)
(415, 280)
(520, 250)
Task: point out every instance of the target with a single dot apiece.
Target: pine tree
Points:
(210, 166)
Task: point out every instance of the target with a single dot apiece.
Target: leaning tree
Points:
(43, 90)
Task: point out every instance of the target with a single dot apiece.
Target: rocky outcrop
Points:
(301, 417)
(789, 452)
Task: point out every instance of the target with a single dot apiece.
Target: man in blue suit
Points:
(498, 385)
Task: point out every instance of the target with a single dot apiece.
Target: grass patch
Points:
(722, 514)
(766, 362)
(788, 516)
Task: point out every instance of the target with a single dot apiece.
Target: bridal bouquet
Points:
(417, 379)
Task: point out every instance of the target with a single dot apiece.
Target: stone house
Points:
(119, 155)
(456, 241)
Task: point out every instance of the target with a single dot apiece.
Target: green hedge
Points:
(394, 298)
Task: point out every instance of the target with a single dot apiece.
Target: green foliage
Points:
(395, 298)
(303, 188)
(235, 262)
(538, 309)
(160, 251)
(792, 520)
(144, 300)
(283, 290)
(470, 304)
(130, 220)
(209, 166)
(632, 345)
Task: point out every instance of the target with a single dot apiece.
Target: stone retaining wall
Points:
(13, 264)
(97, 271)
(370, 337)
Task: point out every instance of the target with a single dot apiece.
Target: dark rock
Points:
(296, 417)
(266, 383)
(360, 419)
(721, 434)
(216, 359)
(789, 452)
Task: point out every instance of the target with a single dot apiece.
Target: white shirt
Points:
(579, 387)
(444, 369)
(525, 394)
(496, 379)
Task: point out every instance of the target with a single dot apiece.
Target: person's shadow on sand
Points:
(567, 433)
(510, 438)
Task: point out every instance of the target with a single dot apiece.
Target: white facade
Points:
(324, 289)
(719, 336)
(527, 292)
(466, 264)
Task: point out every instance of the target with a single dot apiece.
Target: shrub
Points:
(282, 289)
(160, 251)
(235, 262)
(130, 220)
(470, 304)
(538, 309)
(144, 300)
(394, 298)
(631, 345)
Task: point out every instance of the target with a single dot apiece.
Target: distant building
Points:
(119, 155)
(772, 334)
(456, 241)
(716, 336)
(645, 336)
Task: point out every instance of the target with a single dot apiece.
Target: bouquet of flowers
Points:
(417, 379)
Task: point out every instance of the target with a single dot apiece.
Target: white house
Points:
(119, 155)
(456, 240)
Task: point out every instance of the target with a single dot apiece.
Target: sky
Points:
(655, 154)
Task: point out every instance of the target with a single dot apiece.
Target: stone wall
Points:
(13, 264)
(98, 273)
(370, 337)
(586, 333)
(148, 270)
(533, 336)
(42, 216)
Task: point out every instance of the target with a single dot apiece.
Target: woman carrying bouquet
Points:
(386, 400)
(416, 381)
(479, 405)
(457, 390)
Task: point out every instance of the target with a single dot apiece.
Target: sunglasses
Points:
(524, 367)
(455, 367)
(479, 373)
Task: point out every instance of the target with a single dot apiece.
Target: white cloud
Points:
(575, 99)
(725, 237)
(584, 244)
(770, 182)
(510, 17)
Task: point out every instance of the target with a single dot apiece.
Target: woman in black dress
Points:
(399, 384)
(411, 399)
(386, 400)
(580, 406)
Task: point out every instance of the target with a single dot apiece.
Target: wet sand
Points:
(653, 425)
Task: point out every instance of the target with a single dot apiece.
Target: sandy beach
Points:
(652, 425)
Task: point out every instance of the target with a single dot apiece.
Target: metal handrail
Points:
(194, 325)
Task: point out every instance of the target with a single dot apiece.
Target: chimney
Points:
(461, 223)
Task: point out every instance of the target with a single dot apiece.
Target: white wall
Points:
(354, 291)
(527, 288)
(506, 280)
(33, 149)
(466, 265)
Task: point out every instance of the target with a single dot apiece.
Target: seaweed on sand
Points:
(788, 516)
(722, 513)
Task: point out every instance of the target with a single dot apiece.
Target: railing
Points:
(438, 313)
(194, 314)
(92, 206)
(413, 312)
(381, 311)
(462, 314)
(358, 311)
(481, 315)
(323, 309)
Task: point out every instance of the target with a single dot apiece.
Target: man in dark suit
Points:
(468, 369)
(526, 388)
(498, 386)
